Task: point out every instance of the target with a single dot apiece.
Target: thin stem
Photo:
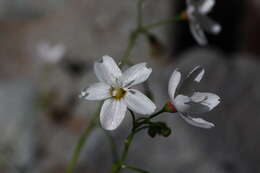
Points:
(139, 13)
(162, 22)
(141, 128)
(112, 146)
(133, 118)
(131, 43)
(82, 140)
(156, 114)
(150, 117)
(117, 168)
(134, 169)
(127, 142)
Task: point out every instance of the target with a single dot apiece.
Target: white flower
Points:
(50, 54)
(197, 11)
(189, 102)
(115, 88)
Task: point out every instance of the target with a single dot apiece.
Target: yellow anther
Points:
(117, 93)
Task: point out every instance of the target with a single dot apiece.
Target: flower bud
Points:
(169, 107)
(166, 131)
(159, 128)
(152, 132)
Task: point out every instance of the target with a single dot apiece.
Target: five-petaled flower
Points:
(189, 102)
(115, 88)
(197, 11)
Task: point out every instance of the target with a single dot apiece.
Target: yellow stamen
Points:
(117, 93)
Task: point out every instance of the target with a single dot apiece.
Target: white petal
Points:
(135, 75)
(208, 24)
(180, 103)
(173, 83)
(198, 33)
(198, 122)
(112, 113)
(138, 102)
(51, 53)
(107, 70)
(190, 83)
(196, 74)
(205, 6)
(96, 91)
(207, 99)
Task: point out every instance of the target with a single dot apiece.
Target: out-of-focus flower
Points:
(189, 102)
(49, 53)
(115, 88)
(197, 11)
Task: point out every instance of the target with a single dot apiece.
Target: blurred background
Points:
(47, 50)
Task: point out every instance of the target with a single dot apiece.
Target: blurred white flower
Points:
(49, 53)
(115, 88)
(197, 11)
(189, 102)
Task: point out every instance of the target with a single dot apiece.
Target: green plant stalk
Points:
(139, 13)
(112, 146)
(82, 140)
(135, 129)
(162, 22)
(118, 166)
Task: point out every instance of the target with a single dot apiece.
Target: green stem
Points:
(156, 114)
(131, 43)
(133, 119)
(134, 169)
(141, 128)
(139, 13)
(117, 167)
(162, 22)
(82, 140)
(144, 119)
(112, 146)
(134, 35)
(137, 127)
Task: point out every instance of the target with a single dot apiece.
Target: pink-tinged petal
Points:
(173, 83)
(198, 122)
(135, 75)
(138, 102)
(112, 113)
(96, 91)
(107, 71)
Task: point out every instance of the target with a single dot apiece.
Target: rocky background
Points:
(41, 117)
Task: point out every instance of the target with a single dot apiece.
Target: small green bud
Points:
(159, 128)
(152, 131)
(166, 132)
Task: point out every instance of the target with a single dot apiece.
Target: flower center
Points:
(117, 93)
